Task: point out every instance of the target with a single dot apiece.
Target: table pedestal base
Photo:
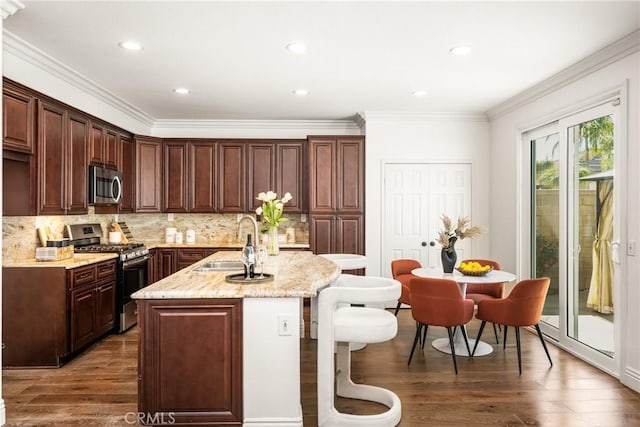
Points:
(442, 344)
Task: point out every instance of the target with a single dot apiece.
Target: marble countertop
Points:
(78, 260)
(296, 274)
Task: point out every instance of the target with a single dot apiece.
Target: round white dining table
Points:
(495, 276)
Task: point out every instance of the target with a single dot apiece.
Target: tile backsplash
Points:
(19, 235)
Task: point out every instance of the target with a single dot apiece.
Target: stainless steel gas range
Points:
(133, 259)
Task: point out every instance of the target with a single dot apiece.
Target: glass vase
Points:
(272, 243)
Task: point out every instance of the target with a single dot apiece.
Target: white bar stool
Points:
(345, 262)
(341, 323)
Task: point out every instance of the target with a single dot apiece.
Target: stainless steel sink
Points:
(220, 266)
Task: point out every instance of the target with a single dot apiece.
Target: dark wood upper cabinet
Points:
(104, 146)
(290, 174)
(51, 163)
(202, 176)
(148, 174)
(175, 177)
(18, 120)
(322, 174)
(18, 143)
(76, 166)
(336, 194)
(62, 161)
(261, 165)
(127, 166)
(111, 149)
(232, 197)
(96, 144)
(350, 173)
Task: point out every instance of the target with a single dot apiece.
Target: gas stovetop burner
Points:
(109, 247)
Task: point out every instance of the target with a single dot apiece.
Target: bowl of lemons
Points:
(474, 268)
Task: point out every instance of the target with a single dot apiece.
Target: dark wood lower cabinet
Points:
(83, 316)
(190, 361)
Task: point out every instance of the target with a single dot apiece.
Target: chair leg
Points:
(415, 341)
(495, 332)
(453, 349)
(543, 343)
(484, 322)
(397, 309)
(424, 335)
(466, 341)
(504, 340)
(518, 347)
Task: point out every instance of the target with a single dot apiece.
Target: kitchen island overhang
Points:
(195, 328)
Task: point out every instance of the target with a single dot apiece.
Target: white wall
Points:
(428, 138)
(505, 137)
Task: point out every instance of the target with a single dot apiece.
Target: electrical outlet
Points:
(303, 218)
(170, 217)
(631, 248)
(116, 217)
(285, 324)
(239, 217)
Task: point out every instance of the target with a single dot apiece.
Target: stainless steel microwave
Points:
(105, 186)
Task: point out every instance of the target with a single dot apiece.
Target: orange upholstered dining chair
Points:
(439, 302)
(401, 271)
(479, 292)
(523, 307)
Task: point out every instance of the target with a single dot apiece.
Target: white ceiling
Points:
(362, 55)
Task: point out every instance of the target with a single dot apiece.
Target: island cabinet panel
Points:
(190, 361)
(232, 172)
(202, 176)
(175, 177)
(127, 166)
(148, 173)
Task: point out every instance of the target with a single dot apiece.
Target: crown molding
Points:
(421, 117)
(36, 57)
(252, 124)
(608, 55)
(9, 7)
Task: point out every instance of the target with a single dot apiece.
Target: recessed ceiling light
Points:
(296, 47)
(181, 90)
(419, 93)
(130, 45)
(460, 50)
(301, 92)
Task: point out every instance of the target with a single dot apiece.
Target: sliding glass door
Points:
(573, 233)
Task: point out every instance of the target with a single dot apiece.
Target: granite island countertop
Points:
(297, 274)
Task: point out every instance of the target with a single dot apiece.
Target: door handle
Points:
(424, 243)
(431, 243)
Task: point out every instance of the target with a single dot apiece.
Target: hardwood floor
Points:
(99, 387)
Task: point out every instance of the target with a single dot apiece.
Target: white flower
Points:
(271, 196)
(279, 205)
(262, 196)
(287, 197)
(259, 210)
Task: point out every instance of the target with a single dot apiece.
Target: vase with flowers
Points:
(271, 213)
(450, 235)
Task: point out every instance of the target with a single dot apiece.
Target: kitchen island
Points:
(219, 353)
